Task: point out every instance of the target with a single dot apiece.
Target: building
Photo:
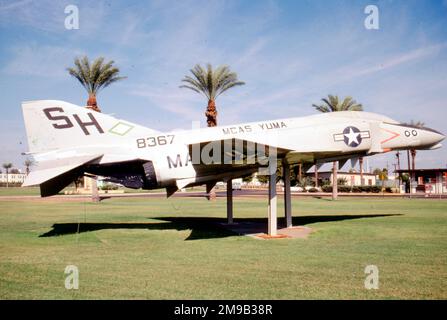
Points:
(352, 178)
(427, 180)
(13, 177)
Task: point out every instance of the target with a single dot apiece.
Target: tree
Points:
(262, 179)
(247, 179)
(382, 174)
(94, 77)
(211, 83)
(7, 166)
(333, 104)
(28, 163)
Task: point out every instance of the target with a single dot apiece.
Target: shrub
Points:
(344, 189)
(109, 186)
(11, 184)
(365, 188)
(312, 190)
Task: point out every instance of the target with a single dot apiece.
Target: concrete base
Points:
(258, 230)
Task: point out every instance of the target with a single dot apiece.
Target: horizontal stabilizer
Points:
(48, 170)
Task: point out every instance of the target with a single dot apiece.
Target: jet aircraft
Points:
(69, 141)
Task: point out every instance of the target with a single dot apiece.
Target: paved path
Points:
(246, 193)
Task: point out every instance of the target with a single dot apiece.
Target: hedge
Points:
(356, 189)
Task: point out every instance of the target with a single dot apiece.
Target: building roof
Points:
(422, 170)
(346, 172)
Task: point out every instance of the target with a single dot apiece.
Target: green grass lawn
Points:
(161, 249)
(19, 191)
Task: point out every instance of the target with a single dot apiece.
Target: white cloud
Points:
(172, 100)
(41, 15)
(251, 53)
(49, 16)
(351, 72)
(11, 6)
(42, 61)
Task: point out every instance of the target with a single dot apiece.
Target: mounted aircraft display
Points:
(68, 141)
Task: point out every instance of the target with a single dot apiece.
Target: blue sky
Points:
(289, 53)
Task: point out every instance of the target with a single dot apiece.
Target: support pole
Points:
(230, 201)
(287, 195)
(272, 216)
(95, 193)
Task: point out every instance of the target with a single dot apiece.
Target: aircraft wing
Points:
(235, 153)
(231, 154)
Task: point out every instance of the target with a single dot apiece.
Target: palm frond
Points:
(413, 123)
(211, 82)
(333, 104)
(96, 76)
(322, 108)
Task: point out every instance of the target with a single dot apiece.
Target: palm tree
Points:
(211, 83)
(333, 104)
(94, 77)
(7, 166)
(28, 163)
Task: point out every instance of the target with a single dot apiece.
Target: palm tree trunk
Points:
(7, 180)
(413, 157)
(92, 104)
(316, 175)
(408, 159)
(211, 113)
(334, 181)
(413, 163)
(211, 120)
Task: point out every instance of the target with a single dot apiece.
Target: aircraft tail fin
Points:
(52, 125)
(64, 138)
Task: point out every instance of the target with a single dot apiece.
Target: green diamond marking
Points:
(121, 128)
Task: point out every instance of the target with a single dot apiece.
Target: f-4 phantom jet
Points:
(69, 141)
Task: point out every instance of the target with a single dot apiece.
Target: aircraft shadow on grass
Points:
(201, 227)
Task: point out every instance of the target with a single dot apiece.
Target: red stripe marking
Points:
(395, 135)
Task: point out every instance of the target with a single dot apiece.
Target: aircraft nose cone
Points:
(434, 137)
(438, 136)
